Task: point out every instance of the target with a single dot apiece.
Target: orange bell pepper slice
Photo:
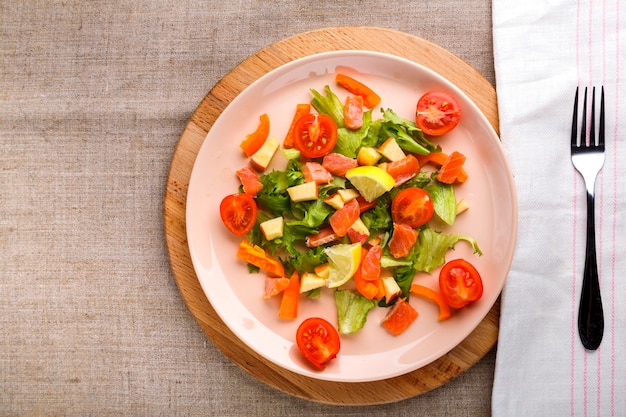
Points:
(301, 110)
(289, 303)
(370, 98)
(256, 139)
(255, 255)
(432, 295)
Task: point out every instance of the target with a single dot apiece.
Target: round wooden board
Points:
(466, 354)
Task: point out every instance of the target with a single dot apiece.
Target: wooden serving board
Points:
(466, 354)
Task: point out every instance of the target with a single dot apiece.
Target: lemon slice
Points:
(343, 261)
(370, 181)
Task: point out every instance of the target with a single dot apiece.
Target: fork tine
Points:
(573, 142)
(601, 133)
(592, 128)
(583, 128)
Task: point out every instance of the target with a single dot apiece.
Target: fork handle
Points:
(590, 313)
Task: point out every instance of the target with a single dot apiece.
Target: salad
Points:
(357, 210)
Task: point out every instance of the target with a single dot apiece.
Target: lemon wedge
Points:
(343, 261)
(370, 181)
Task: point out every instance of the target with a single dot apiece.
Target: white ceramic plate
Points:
(372, 354)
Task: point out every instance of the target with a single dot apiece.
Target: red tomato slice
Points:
(338, 164)
(315, 135)
(402, 240)
(437, 113)
(460, 283)
(318, 341)
(238, 213)
(413, 207)
(314, 171)
(250, 181)
(342, 219)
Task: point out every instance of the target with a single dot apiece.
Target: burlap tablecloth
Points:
(93, 98)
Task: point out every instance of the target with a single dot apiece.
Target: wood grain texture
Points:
(466, 354)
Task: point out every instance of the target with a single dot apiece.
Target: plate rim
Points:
(469, 353)
(285, 69)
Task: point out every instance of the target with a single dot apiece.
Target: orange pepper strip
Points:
(370, 98)
(289, 303)
(436, 158)
(256, 139)
(301, 110)
(432, 295)
(256, 256)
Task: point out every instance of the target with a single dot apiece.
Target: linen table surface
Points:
(93, 99)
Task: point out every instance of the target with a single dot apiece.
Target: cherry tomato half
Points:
(437, 113)
(238, 213)
(318, 341)
(460, 283)
(315, 135)
(413, 207)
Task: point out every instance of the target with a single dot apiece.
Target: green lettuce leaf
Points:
(444, 200)
(329, 104)
(350, 141)
(407, 134)
(352, 310)
(431, 248)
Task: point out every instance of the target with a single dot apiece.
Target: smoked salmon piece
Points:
(314, 171)
(402, 240)
(403, 169)
(338, 164)
(250, 181)
(451, 169)
(399, 317)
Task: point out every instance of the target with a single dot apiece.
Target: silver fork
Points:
(588, 158)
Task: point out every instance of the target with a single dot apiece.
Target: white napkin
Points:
(543, 49)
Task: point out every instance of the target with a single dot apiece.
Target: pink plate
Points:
(237, 296)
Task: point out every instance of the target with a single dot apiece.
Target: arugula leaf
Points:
(352, 310)
(329, 104)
